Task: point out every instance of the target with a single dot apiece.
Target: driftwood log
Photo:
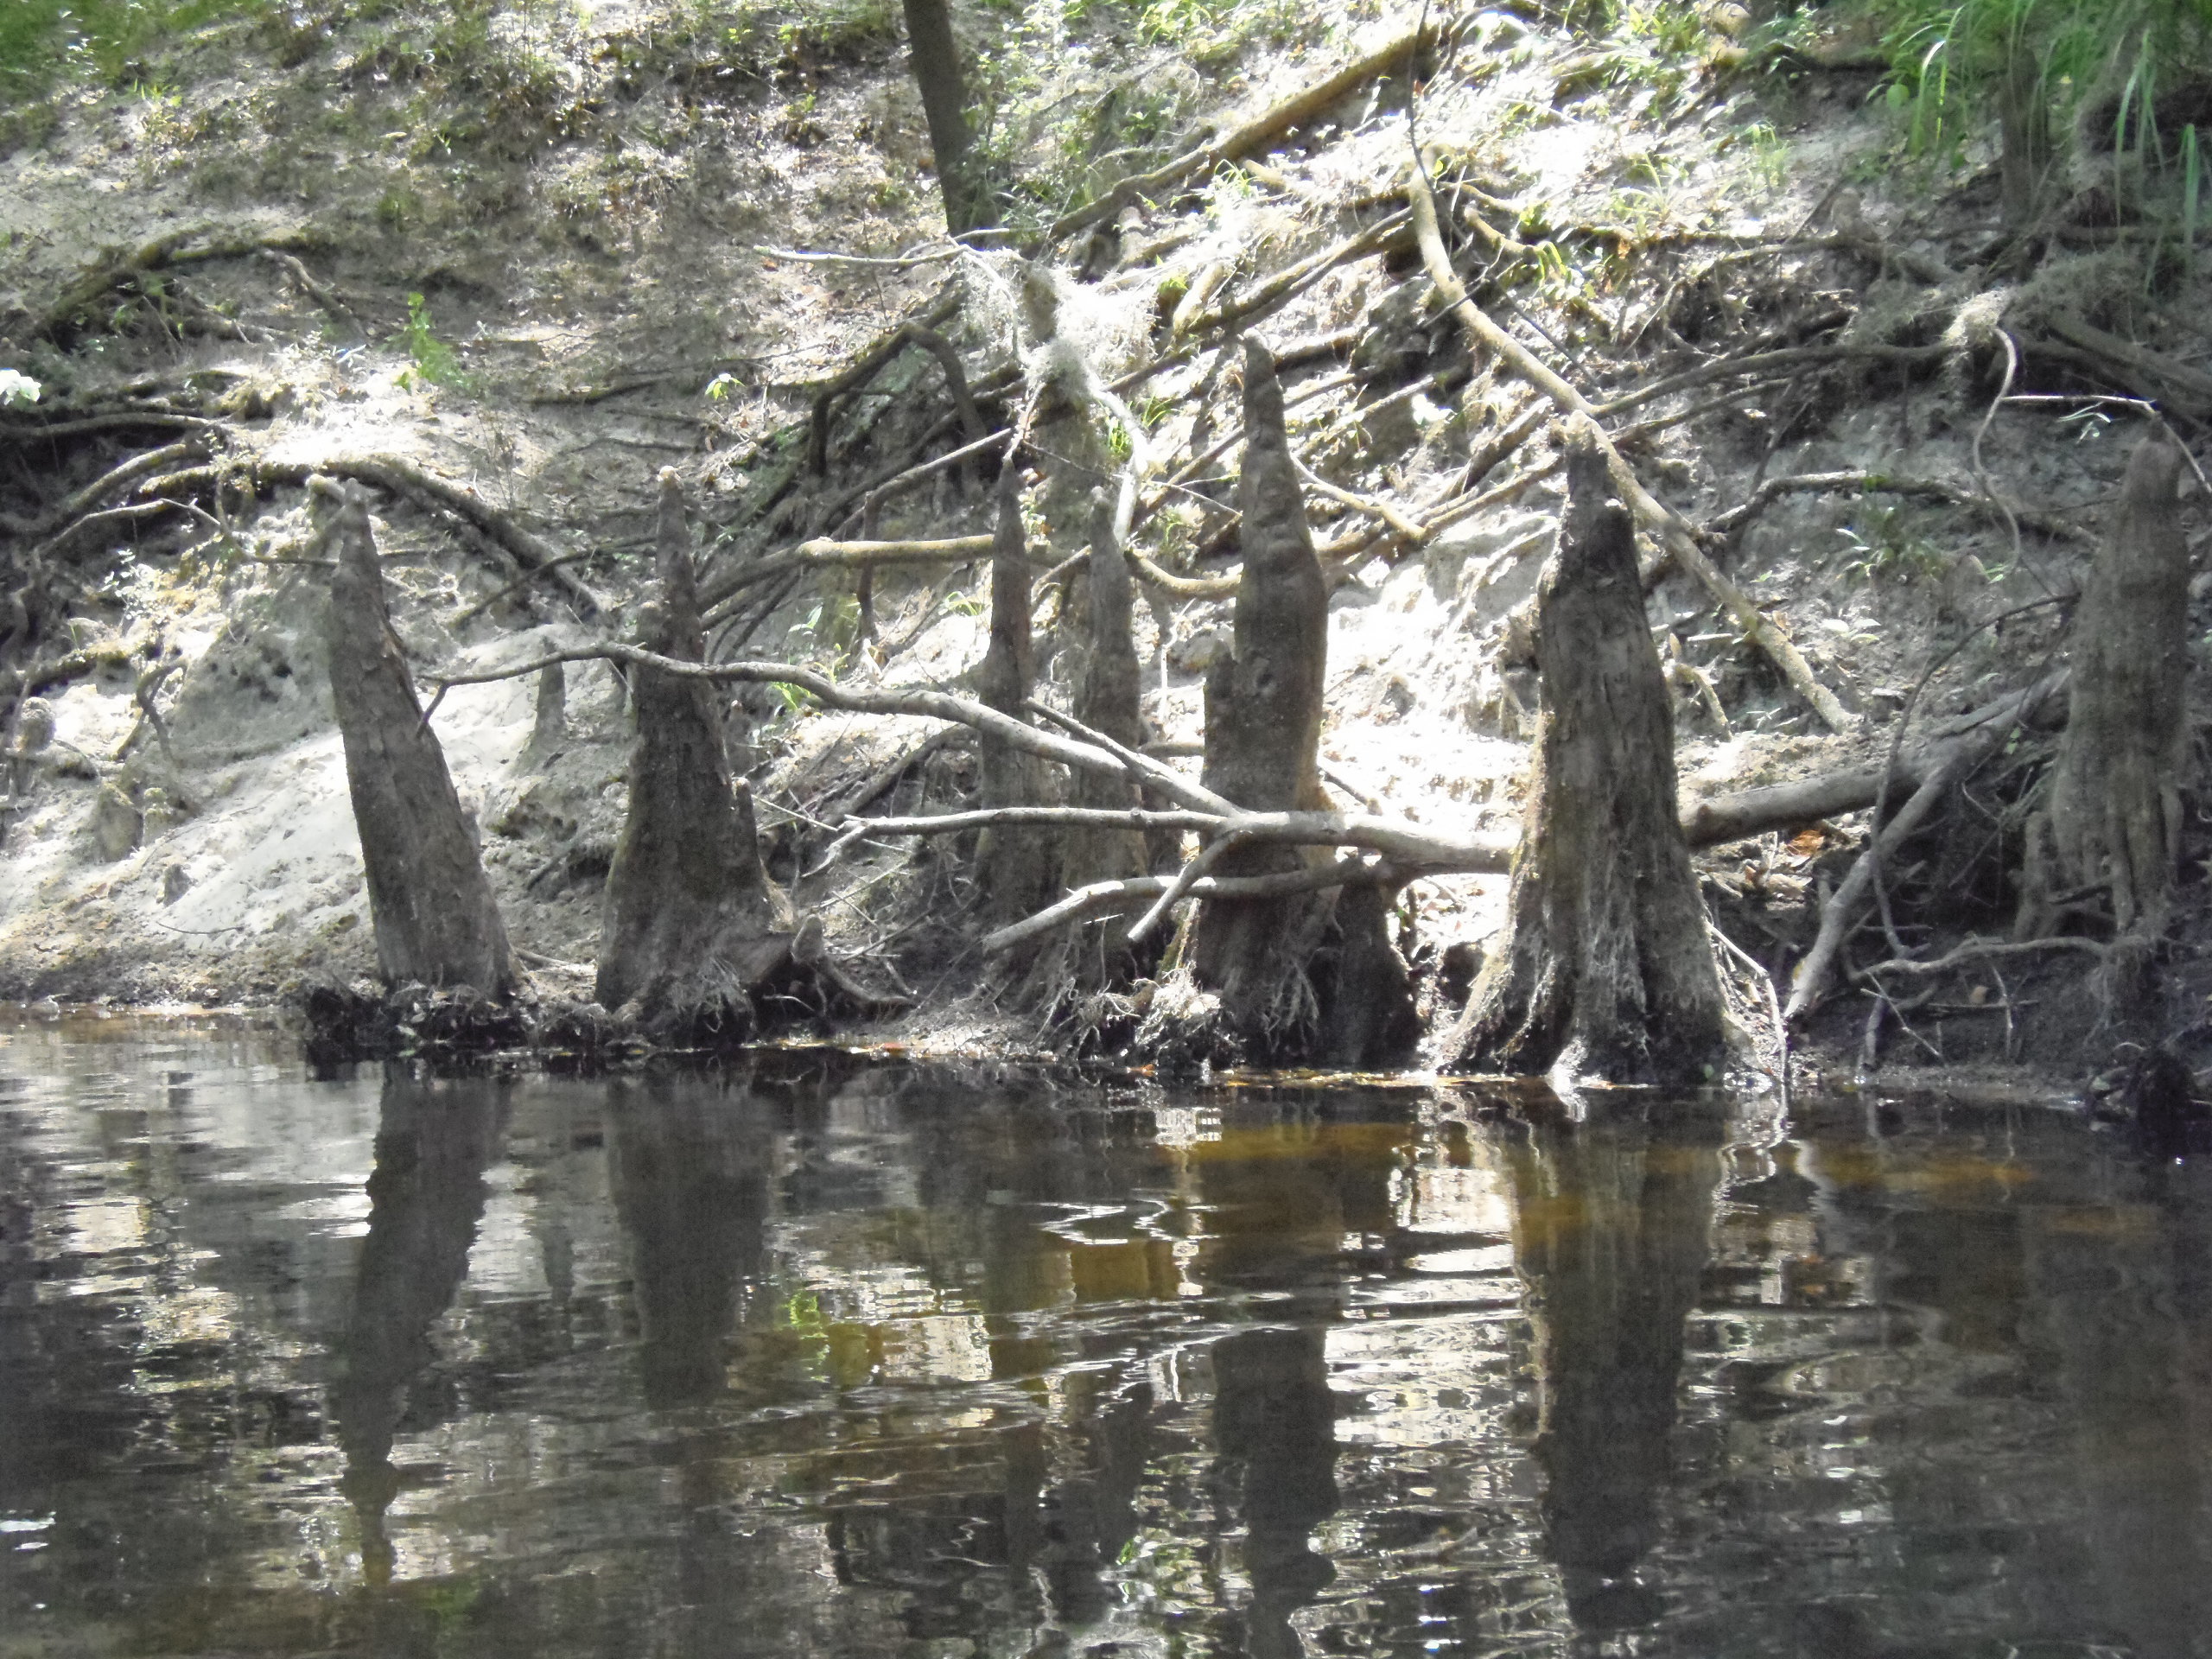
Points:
(2113, 818)
(1603, 968)
(437, 922)
(690, 933)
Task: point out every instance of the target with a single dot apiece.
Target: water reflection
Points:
(1611, 1218)
(826, 1357)
(434, 1142)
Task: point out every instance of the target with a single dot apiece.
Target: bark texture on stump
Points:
(1017, 869)
(549, 728)
(1263, 729)
(437, 922)
(691, 923)
(1603, 968)
(1107, 699)
(2114, 816)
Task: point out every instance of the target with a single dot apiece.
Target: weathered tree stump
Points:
(1017, 869)
(1603, 968)
(1306, 976)
(436, 920)
(690, 929)
(548, 728)
(2113, 817)
(1108, 700)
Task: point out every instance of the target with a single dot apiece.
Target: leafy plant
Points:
(435, 361)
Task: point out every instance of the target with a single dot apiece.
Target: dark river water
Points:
(827, 1357)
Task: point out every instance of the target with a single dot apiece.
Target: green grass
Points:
(39, 39)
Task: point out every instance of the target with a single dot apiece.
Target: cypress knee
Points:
(1263, 731)
(1017, 868)
(436, 923)
(1603, 968)
(2114, 816)
(689, 928)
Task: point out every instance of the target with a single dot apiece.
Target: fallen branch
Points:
(1977, 950)
(1254, 135)
(822, 553)
(395, 476)
(1120, 895)
(1717, 818)
(1674, 533)
(919, 330)
(1925, 489)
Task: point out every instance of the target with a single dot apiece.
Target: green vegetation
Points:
(435, 362)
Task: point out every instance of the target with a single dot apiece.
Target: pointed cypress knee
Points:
(1017, 868)
(1107, 699)
(436, 923)
(1309, 976)
(1603, 968)
(2114, 819)
(690, 926)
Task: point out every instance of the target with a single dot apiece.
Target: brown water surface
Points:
(820, 1355)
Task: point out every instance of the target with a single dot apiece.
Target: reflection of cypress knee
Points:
(1275, 1421)
(693, 1195)
(426, 1197)
(1611, 1235)
(1604, 967)
(689, 922)
(436, 920)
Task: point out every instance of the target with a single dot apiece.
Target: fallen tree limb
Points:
(1254, 135)
(116, 267)
(1713, 819)
(1766, 363)
(2189, 391)
(1942, 769)
(1925, 489)
(401, 477)
(1978, 950)
(1124, 894)
(873, 360)
(1674, 533)
(822, 553)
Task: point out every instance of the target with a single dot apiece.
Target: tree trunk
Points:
(2114, 816)
(1604, 967)
(1263, 730)
(436, 923)
(2024, 129)
(690, 927)
(935, 56)
(1017, 869)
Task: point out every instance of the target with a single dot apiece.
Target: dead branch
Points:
(1391, 234)
(394, 477)
(1940, 771)
(1120, 895)
(1978, 949)
(321, 293)
(1676, 533)
(120, 268)
(108, 484)
(871, 362)
(1768, 363)
(1252, 136)
(825, 553)
(1925, 489)
(2188, 390)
